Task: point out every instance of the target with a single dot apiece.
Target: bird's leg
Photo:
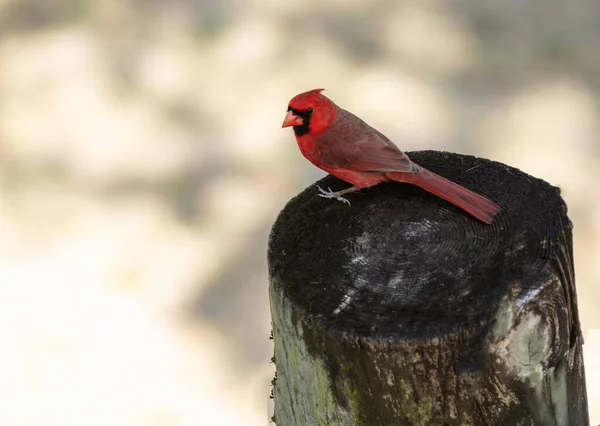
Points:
(337, 195)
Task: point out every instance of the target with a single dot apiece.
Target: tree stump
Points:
(401, 309)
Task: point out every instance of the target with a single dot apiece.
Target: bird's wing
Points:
(352, 144)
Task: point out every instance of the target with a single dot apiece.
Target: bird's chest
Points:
(310, 149)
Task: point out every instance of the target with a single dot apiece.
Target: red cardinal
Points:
(343, 145)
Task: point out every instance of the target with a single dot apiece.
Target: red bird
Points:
(343, 145)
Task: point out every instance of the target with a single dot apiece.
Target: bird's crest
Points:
(306, 99)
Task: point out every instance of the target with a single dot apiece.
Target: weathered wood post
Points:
(403, 310)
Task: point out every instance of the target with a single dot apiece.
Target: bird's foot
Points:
(330, 194)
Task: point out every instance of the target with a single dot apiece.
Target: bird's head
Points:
(309, 113)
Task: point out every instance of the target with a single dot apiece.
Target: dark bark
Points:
(403, 310)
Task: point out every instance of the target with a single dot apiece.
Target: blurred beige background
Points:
(142, 164)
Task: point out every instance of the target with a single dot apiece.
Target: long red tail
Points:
(474, 204)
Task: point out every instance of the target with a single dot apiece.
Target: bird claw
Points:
(330, 194)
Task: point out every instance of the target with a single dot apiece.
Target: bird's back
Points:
(351, 143)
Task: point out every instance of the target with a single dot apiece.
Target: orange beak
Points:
(291, 119)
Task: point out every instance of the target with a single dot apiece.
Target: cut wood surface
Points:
(401, 309)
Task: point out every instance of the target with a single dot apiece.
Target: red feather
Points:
(343, 145)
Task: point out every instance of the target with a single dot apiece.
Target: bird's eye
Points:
(309, 110)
